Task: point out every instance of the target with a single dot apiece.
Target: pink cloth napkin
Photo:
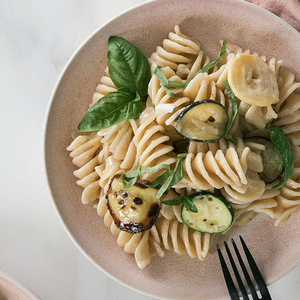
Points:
(288, 10)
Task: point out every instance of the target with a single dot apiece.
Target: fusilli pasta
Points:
(228, 169)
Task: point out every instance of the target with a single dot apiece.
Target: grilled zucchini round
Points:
(202, 121)
(271, 159)
(214, 215)
(133, 210)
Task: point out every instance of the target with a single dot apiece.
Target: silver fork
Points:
(262, 287)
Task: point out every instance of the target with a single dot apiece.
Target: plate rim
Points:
(19, 285)
(48, 113)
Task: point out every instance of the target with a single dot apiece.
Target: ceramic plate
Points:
(11, 288)
(276, 249)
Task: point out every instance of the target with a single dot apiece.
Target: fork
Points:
(262, 287)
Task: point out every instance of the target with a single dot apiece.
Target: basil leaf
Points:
(112, 109)
(183, 199)
(235, 109)
(210, 65)
(175, 176)
(128, 66)
(133, 176)
(168, 91)
(281, 142)
(164, 81)
(174, 202)
(189, 203)
(160, 179)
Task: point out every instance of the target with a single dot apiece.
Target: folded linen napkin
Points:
(288, 10)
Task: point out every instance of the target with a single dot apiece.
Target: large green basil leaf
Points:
(112, 109)
(128, 66)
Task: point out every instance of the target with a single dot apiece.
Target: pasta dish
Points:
(222, 136)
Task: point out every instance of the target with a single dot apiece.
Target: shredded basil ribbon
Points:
(235, 109)
(169, 177)
(166, 83)
(183, 199)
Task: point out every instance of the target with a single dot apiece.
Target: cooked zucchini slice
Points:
(133, 210)
(252, 80)
(271, 159)
(214, 215)
(202, 121)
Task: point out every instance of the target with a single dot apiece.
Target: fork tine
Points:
(236, 273)
(262, 287)
(246, 274)
(229, 282)
(256, 273)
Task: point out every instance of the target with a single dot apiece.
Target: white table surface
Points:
(37, 37)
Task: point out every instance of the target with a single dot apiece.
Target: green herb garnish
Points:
(281, 142)
(169, 177)
(112, 109)
(128, 66)
(175, 176)
(133, 176)
(129, 70)
(166, 83)
(235, 109)
(183, 199)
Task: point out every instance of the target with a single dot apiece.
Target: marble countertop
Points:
(37, 38)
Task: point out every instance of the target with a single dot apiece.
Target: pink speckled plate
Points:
(12, 289)
(175, 276)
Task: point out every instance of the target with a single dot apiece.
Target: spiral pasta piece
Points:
(252, 191)
(177, 49)
(182, 239)
(165, 106)
(171, 212)
(289, 198)
(200, 88)
(84, 152)
(288, 106)
(208, 170)
(265, 204)
(119, 141)
(189, 70)
(157, 94)
(151, 143)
